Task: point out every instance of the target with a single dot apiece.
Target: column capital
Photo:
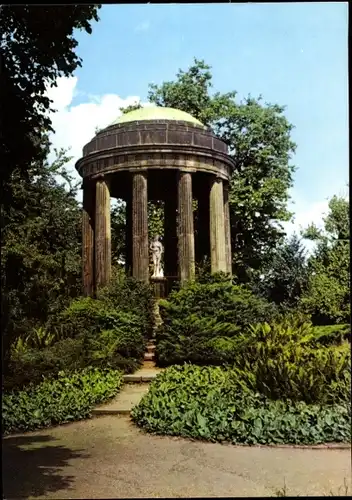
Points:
(216, 178)
(139, 170)
(184, 170)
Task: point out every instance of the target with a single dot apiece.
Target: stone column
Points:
(203, 230)
(170, 233)
(128, 236)
(102, 233)
(185, 228)
(217, 227)
(140, 249)
(88, 239)
(227, 228)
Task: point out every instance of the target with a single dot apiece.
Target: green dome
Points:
(157, 113)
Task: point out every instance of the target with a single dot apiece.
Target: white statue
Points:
(157, 250)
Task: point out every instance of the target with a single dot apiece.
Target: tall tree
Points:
(258, 137)
(285, 277)
(37, 46)
(41, 249)
(328, 294)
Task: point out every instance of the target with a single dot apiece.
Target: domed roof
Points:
(157, 113)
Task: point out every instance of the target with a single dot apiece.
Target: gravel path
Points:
(108, 457)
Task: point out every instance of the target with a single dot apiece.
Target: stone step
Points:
(148, 365)
(147, 373)
(149, 356)
(151, 347)
(122, 404)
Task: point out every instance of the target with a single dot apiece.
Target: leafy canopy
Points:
(285, 277)
(328, 294)
(41, 247)
(37, 46)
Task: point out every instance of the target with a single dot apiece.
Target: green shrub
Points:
(221, 299)
(129, 295)
(90, 316)
(84, 316)
(31, 365)
(38, 338)
(215, 404)
(120, 347)
(280, 362)
(90, 320)
(101, 337)
(331, 334)
(198, 313)
(56, 401)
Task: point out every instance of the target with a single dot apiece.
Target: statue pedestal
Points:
(160, 287)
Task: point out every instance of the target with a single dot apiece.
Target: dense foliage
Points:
(38, 220)
(221, 323)
(201, 322)
(40, 248)
(328, 295)
(37, 46)
(285, 276)
(331, 334)
(283, 361)
(215, 404)
(66, 398)
(129, 295)
(87, 333)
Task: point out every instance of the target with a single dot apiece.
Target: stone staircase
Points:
(134, 388)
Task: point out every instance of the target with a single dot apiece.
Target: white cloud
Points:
(144, 26)
(305, 213)
(308, 212)
(75, 125)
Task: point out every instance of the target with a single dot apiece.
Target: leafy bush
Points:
(56, 401)
(94, 335)
(280, 362)
(120, 347)
(84, 316)
(215, 404)
(29, 366)
(105, 330)
(331, 334)
(218, 298)
(327, 299)
(129, 295)
(202, 311)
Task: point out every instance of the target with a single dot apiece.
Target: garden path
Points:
(108, 457)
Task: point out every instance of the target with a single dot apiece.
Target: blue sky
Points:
(294, 54)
